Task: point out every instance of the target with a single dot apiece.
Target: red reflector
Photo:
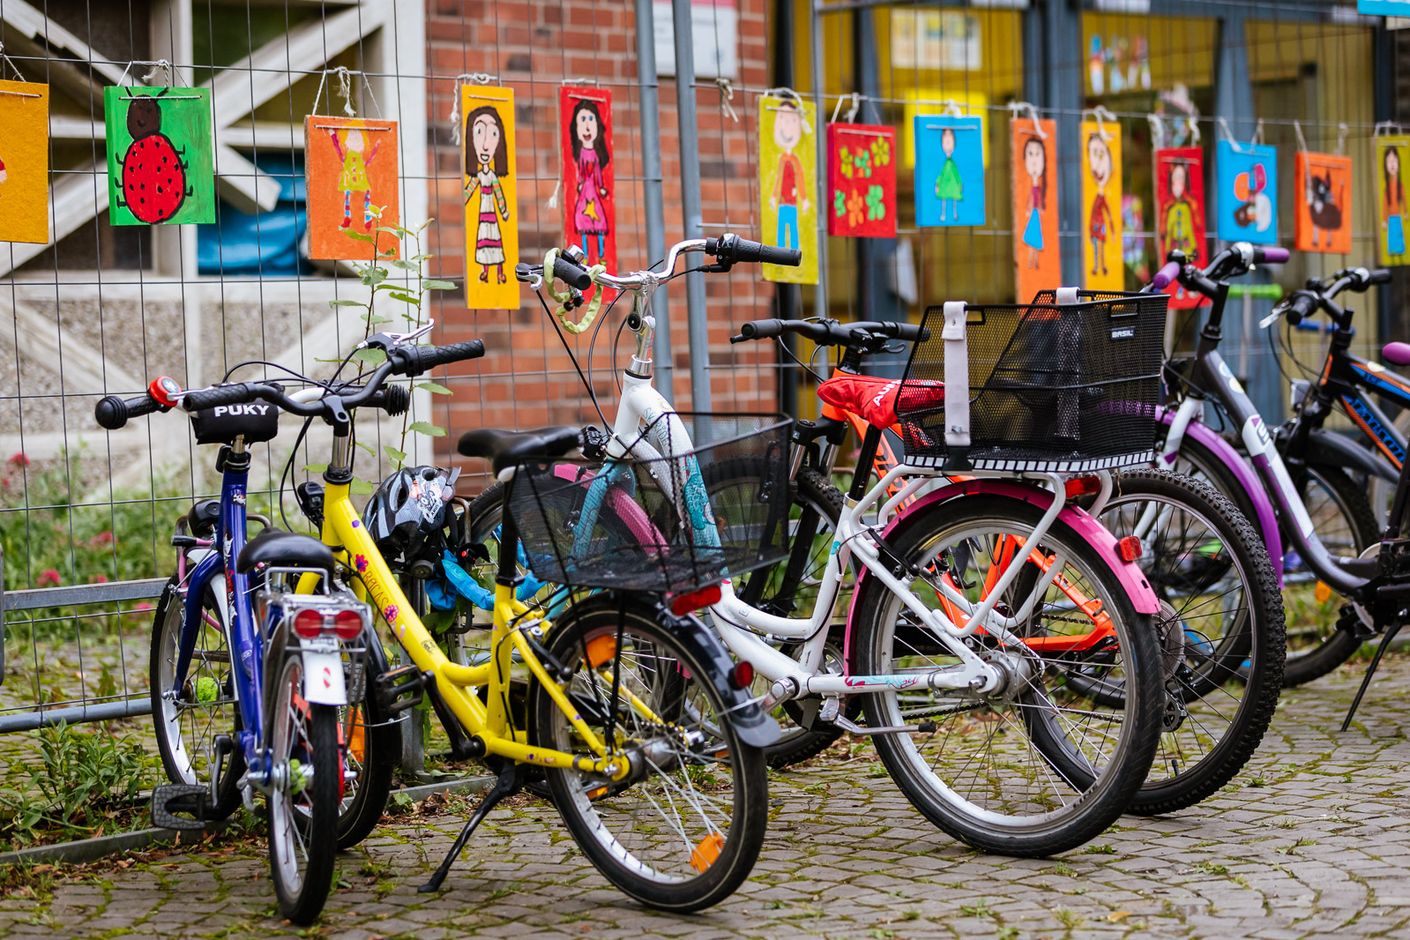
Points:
(347, 624)
(742, 675)
(1129, 548)
(1082, 486)
(683, 604)
(308, 623)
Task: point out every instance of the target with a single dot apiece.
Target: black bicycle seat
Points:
(509, 448)
(284, 550)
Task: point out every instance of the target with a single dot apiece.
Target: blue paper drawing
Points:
(949, 171)
(1383, 7)
(1247, 195)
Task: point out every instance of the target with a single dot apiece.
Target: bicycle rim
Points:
(1042, 765)
(682, 830)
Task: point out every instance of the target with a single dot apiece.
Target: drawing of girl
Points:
(1035, 164)
(353, 178)
(1099, 220)
(486, 160)
(1394, 223)
(1179, 227)
(591, 156)
(3, 174)
(949, 188)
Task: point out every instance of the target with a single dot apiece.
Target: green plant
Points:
(84, 783)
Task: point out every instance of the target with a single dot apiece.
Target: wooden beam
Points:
(76, 199)
(244, 185)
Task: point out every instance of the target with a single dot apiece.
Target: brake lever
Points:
(386, 341)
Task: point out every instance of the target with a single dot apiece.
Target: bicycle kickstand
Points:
(509, 782)
(1391, 631)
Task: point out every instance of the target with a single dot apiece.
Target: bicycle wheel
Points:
(371, 742)
(682, 831)
(790, 589)
(1039, 766)
(1221, 629)
(302, 806)
(188, 721)
(1343, 521)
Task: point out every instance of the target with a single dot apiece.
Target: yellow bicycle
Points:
(636, 716)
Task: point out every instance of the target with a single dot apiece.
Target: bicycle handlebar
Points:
(113, 412)
(730, 249)
(1164, 276)
(831, 332)
(413, 360)
(570, 272)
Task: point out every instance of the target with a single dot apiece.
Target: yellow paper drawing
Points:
(24, 162)
(788, 184)
(1101, 206)
(491, 211)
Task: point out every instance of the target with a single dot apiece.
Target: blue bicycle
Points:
(252, 683)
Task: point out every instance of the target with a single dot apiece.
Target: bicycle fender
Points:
(1129, 574)
(1267, 519)
(1329, 447)
(754, 726)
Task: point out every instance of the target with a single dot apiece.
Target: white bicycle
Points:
(1009, 722)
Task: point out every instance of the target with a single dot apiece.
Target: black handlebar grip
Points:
(413, 360)
(910, 332)
(761, 329)
(788, 257)
(570, 273)
(1379, 276)
(393, 399)
(113, 412)
(1304, 304)
(237, 394)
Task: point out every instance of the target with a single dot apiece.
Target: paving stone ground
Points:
(1314, 841)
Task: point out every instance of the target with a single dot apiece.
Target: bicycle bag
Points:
(255, 422)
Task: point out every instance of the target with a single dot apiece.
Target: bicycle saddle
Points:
(1397, 354)
(508, 448)
(284, 550)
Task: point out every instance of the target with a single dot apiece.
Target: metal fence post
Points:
(697, 323)
(648, 81)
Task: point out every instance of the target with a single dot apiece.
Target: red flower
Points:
(103, 538)
(19, 459)
(142, 605)
(47, 577)
(98, 579)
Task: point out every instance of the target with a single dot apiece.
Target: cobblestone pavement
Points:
(1314, 841)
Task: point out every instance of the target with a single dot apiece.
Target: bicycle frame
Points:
(641, 405)
(490, 724)
(242, 636)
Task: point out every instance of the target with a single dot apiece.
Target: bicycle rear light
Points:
(742, 675)
(690, 601)
(318, 615)
(1129, 548)
(308, 623)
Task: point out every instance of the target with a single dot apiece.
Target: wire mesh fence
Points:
(86, 515)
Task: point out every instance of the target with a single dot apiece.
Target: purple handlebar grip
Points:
(1275, 255)
(1165, 276)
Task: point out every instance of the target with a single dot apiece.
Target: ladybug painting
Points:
(153, 177)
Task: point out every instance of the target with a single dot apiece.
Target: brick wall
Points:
(527, 380)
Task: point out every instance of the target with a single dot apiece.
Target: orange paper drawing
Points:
(24, 162)
(353, 191)
(1323, 209)
(1037, 260)
(491, 213)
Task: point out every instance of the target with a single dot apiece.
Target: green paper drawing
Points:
(161, 167)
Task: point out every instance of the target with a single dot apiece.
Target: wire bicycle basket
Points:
(675, 520)
(1066, 384)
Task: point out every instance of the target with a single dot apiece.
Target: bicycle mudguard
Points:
(1325, 446)
(754, 726)
(323, 671)
(1132, 580)
(1266, 519)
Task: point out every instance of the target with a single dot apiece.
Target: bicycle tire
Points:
(188, 762)
(1246, 658)
(313, 823)
(360, 811)
(877, 643)
(811, 491)
(587, 805)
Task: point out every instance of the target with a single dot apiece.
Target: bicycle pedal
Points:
(401, 688)
(180, 806)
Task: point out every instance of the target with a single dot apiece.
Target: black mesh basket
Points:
(617, 524)
(1053, 387)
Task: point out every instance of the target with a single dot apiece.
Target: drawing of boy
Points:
(788, 197)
